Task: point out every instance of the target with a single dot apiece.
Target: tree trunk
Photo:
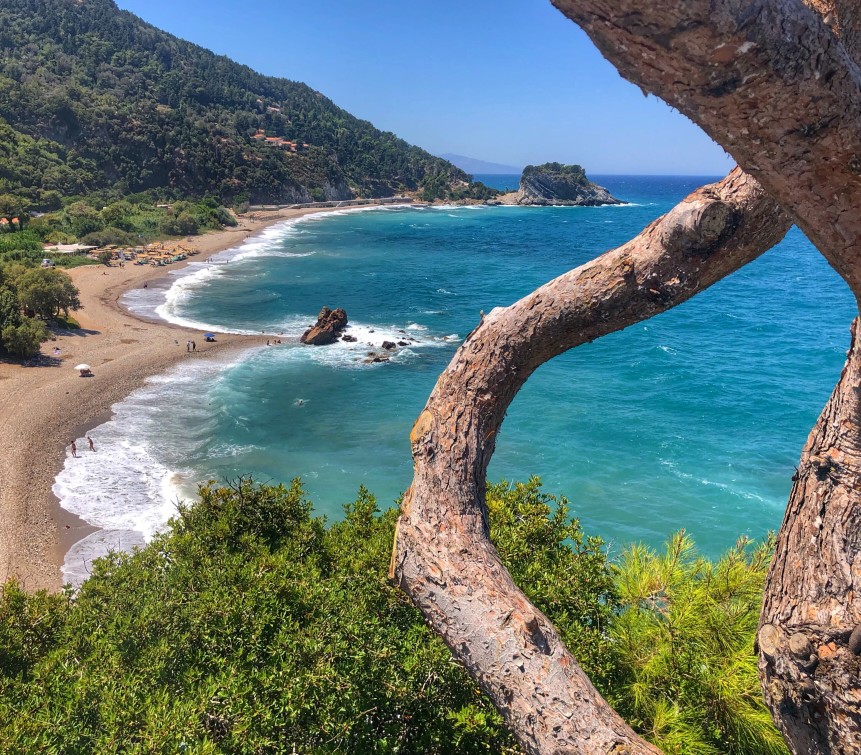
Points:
(443, 557)
(766, 79)
(810, 631)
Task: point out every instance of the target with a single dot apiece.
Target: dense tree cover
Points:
(29, 296)
(253, 627)
(575, 174)
(131, 221)
(93, 98)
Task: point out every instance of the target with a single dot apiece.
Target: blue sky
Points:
(509, 81)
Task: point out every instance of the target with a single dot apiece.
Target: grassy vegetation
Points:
(252, 626)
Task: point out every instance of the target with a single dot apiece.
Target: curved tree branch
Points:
(777, 84)
(766, 79)
(443, 557)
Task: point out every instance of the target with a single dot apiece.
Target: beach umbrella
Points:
(209, 335)
(83, 367)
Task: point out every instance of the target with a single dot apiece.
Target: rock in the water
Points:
(330, 323)
(350, 339)
(556, 184)
(389, 345)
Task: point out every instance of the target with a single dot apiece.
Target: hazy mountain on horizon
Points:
(473, 165)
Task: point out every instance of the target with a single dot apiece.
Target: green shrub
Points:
(252, 626)
(25, 338)
(108, 236)
(684, 634)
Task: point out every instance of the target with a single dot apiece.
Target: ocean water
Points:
(693, 419)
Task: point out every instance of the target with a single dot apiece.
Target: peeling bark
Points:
(443, 558)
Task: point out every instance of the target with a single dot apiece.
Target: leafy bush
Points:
(25, 338)
(251, 626)
(22, 241)
(108, 236)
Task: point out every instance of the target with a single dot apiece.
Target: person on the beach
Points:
(90, 441)
(188, 345)
(74, 449)
(193, 346)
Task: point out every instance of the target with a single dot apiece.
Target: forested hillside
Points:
(92, 99)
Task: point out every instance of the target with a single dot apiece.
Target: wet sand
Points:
(42, 408)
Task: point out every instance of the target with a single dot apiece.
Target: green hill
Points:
(92, 99)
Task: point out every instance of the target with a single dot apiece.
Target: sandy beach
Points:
(42, 408)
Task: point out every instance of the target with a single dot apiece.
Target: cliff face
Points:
(555, 184)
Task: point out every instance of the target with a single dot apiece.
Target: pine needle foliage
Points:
(683, 644)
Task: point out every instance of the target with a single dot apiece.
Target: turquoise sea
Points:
(694, 419)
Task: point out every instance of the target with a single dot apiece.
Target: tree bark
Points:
(443, 557)
(810, 631)
(777, 84)
(766, 79)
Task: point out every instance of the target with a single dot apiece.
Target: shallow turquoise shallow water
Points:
(694, 419)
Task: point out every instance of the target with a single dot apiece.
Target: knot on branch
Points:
(822, 467)
(697, 227)
(854, 643)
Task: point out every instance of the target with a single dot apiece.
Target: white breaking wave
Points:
(130, 485)
(359, 354)
(167, 303)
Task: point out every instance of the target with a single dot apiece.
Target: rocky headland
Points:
(557, 184)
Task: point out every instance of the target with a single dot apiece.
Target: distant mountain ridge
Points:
(473, 165)
(93, 99)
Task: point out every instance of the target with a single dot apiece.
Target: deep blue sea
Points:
(693, 419)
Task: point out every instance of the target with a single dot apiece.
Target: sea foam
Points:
(130, 485)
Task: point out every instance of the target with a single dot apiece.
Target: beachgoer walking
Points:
(90, 441)
(74, 449)
(188, 345)
(193, 346)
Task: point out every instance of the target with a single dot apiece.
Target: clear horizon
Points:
(510, 82)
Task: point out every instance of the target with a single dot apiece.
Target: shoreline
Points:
(43, 407)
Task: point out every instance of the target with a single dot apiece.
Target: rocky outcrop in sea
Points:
(557, 184)
(330, 323)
